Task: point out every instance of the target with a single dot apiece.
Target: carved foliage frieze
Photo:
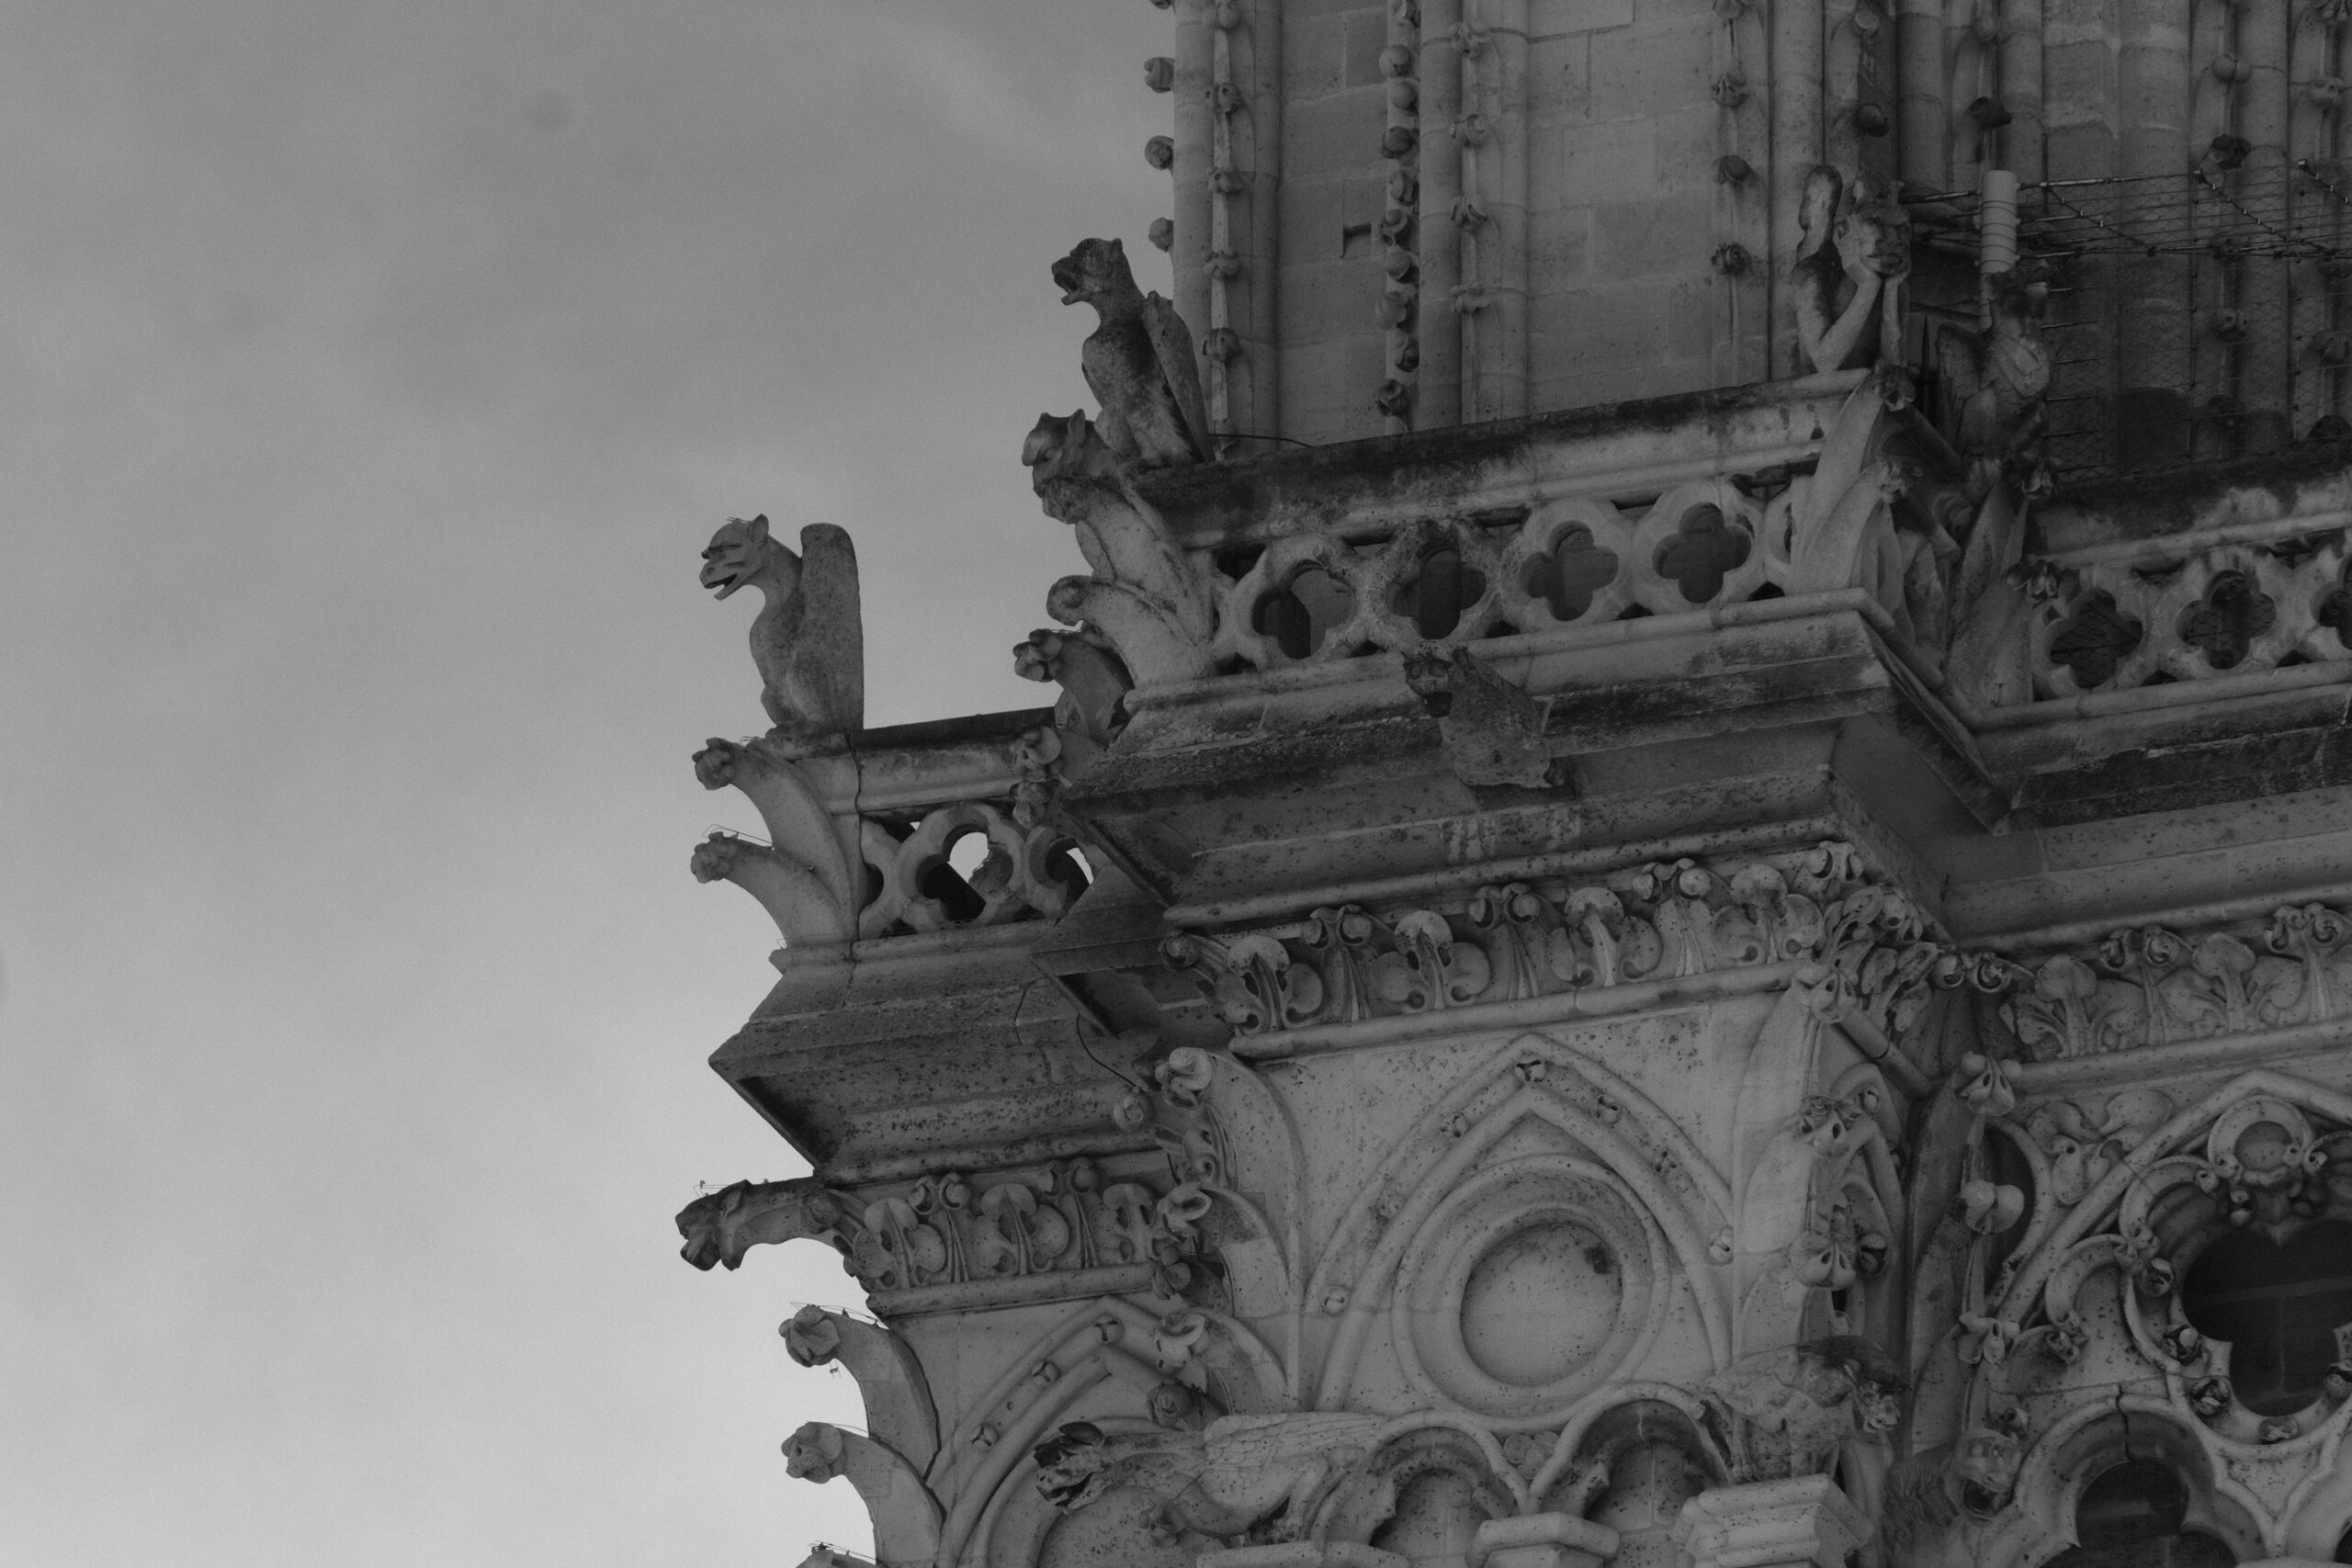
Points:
(2153, 987)
(1507, 942)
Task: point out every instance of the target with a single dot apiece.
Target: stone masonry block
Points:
(1612, 161)
(1604, 328)
(1339, 132)
(1559, 249)
(1367, 35)
(1688, 142)
(1694, 313)
(1673, 13)
(1644, 72)
(1547, 18)
(2080, 153)
(1314, 56)
(1559, 78)
(2066, 22)
(1647, 239)
(2078, 82)
(1327, 299)
(1313, 215)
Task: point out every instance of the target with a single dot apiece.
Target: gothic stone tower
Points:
(1717, 924)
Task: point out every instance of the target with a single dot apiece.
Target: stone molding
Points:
(2149, 987)
(1866, 949)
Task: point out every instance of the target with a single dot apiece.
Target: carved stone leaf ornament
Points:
(2152, 987)
(1523, 939)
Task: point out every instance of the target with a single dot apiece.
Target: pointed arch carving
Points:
(2087, 1321)
(1637, 1149)
(984, 1469)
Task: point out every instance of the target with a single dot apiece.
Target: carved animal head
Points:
(1071, 1465)
(814, 1452)
(742, 552)
(704, 1225)
(1986, 1465)
(813, 1337)
(1096, 272)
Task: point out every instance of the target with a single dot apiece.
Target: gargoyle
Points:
(906, 1515)
(807, 910)
(807, 641)
(1492, 731)
(721, 1226)
(1938, 1499)
(1138, 360)
(1145, 598)
(1266, 1478)
(898, 1407)
(812, 878)
(1094, 684)
(1995, 380)
(1786, 1412)
(1849, 271)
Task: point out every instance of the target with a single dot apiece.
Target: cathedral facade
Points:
(1687, 892)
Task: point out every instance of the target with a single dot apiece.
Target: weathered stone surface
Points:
(1744, 977)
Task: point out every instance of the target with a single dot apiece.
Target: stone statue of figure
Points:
(1849, 272)
(1995, 379)
(1138, 361)
(807, 641)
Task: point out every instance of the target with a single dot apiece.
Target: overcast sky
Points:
(370, 379)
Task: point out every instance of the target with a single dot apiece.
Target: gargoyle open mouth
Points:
(1067, 279)
(720, 580)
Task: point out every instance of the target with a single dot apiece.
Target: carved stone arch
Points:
(2040, 1522)
(2098, 1205)
(1652, 1456)
(1515, 1085)
(1018, 1524)
(1108, 1361)
(1820, 1200)
(1438, 1480)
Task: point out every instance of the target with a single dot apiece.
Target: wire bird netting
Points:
(2192, 317)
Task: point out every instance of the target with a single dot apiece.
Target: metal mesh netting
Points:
(2192, 317)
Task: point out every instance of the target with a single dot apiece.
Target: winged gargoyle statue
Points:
(807, 641)
(1138, 360)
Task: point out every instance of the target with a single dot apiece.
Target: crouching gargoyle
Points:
(807, 641)
(1138, 360)
(1271, 1478)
